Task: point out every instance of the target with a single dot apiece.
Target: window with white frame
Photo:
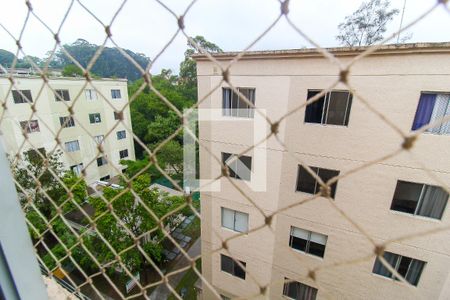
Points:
(123, 153)
(62, 95)
(95, 118)
(306, 183)
(234, 220)
(30, 126)
(231, 266)
(67, 121)
(121, 134)
(76, 169)
(234, 105)
(22, 96)
(409, 268)
(433, 107)
(99, 139)
(238, 167)
(333, 108)
(298, 291)
(72, 146)
(308, 241)
(90, 94)
(101, 161)
(115, 94)
(419, 199)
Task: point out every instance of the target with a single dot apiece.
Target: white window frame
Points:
(235, 213)
(121, 134)
(114, 91)
(72, 146)
(91, 94)
(99, 139)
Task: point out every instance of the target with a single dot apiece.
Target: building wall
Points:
(48, 112)
(391, 84)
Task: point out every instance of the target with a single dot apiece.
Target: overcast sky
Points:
(145, 26)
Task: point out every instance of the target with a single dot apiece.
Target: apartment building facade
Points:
(394, 197)
(80, 116)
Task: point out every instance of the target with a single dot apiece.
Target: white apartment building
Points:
(72, 117)
(394, 197)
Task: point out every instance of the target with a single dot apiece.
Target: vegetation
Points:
(367, 24)
(187, 283)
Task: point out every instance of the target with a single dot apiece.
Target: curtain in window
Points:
(226, 102)
(227, 218)
(434, 200)
(439, 111)
(240, 222)
(415, 269)
(380, 269)
(424, 110)
(305, 292)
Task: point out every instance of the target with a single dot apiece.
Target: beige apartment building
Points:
(409, 85)
(79, 115)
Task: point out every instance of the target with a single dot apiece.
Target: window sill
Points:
(416, 217)
(229, 274)
(398, 282)
(234, 231)
(324, 125)
(307, 254)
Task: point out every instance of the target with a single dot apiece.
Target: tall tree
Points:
(367, 24)
(188, 67)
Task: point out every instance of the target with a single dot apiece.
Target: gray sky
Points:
(145, 26)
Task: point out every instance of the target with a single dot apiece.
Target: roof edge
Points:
(337, 51)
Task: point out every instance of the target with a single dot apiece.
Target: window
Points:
(101, 161)
(420, 199)
(72, 146)
(333, 108)
(234, 220)
(115, 94)
(308, 184)
(95, 118)
(409, 268)
(308, 241)
(121, 134)
(22, 96)
(30, 126)
(234, 105)
(67, 121)
(433, 107)
(123, 153)
(240, 168)
(298, 291)
(227, 264)
(99, 139)
(76, 169)
(62, 95)
(118, 115)
(90, 94)
(105, 178)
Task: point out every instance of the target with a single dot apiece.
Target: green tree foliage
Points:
(367, 24)
(135, 220)
(111, 63)
(6, 58)
(188, 67)
(72, 71)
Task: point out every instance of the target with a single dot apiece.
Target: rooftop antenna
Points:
(401, 21)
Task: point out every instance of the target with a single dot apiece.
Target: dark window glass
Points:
(95, 118)
(227, 264)
(314, 111)
(305, 182)
(62, 95)
(299, 291)
(409, 268)
(308, 184)
(316, 249)
(240, 168)
(105, 178)
(298, 243)
(101, 161)
(22, 96)
(115, 94)
(308, 241)
(419, 199)
(339, 108)
(66, 122)
(123, 153)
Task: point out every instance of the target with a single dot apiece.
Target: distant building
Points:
(95, 113)
(409, 85)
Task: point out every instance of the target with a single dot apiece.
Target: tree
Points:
(6, 58)
(367, 24)
(132, 216)
(72, 71)
(188, 67)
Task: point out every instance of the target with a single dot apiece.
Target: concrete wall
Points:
(48, 112)
(391, 84)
